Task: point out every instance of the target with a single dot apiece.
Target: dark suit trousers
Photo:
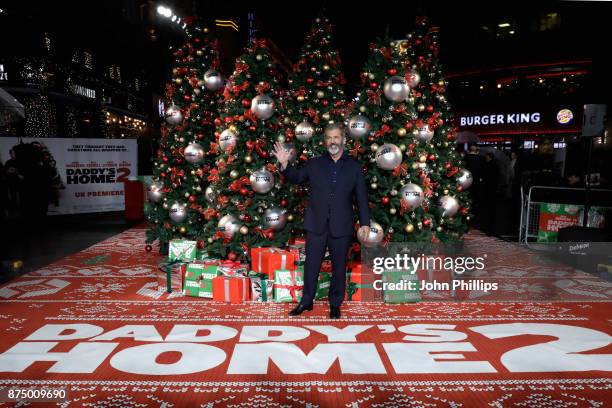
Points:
(315, 251)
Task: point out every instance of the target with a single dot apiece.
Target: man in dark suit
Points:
(335, 180)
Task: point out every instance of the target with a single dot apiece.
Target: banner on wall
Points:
(92, 171)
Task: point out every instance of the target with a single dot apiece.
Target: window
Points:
(550, 21)
(528, 144)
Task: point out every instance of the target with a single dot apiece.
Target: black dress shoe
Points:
(299, 309)
(334, 312)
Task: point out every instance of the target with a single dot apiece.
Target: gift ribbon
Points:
(168, 268)
(293, 287)
(271, 250)
(226, 288)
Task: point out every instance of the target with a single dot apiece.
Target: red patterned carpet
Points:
(95, 324)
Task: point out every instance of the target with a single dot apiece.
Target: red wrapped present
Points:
(171, 276)
(267, 260)
(354, 283)
(231, 289)
(326, 266)
(297, 241)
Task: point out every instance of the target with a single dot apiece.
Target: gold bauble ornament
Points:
(423, 159)
(392, 211)
(362, 109)
(374, 147)
(409, 228)
(248, 159)
(402, 147)
(210, 240)
(178, 81)
(199, 53)
(440, 83)
(183, 230)
(445, 192)
(280, 138)
(325, 67)
(290, 217)
(415, 165)
(373, 186)
(401, 132)
(233, 174)
(420, 107)
(244, 230)
(325, 116)
(320, 94)
(300, 98)
(411, 100)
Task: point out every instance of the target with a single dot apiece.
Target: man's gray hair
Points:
(335, 126)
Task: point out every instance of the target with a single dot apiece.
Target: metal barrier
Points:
(537, 195)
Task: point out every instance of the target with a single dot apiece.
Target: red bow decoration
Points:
(259, 43)
(453, 171)
(383, 130)
(213, 177)
(262, 88)
(209, 213)
(357, 150)
(248, 114)
(401, 169)
(374, 97)
(223, 200)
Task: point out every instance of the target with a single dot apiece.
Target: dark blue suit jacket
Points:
(324, 204)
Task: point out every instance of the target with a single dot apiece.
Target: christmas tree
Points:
(402, 125)
(179, 174)
(247, 201)
(316, 94)
(315, 99)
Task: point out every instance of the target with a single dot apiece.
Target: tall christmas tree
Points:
(182, 163)
(248, 203)
(402, 124)
(316, 94)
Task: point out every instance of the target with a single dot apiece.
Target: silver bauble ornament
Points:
(388, 156)
(173, 115)
(209, 194)
(275, 218)
(411, 195)
(359, 126)
(262, 181)
(375, 236)
(465, 178)
(450, 206)
(228, 140)
(194, 153)
(213, 81)
(228, 225)
(304, 131)
(262, 106)
(425, 134)
(396, 89)
(155, 193)
(178, 211)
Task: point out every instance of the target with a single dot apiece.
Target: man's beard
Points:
(333, 149)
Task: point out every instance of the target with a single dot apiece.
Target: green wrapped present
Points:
(323, 285)
(262, 288)
(202, 255)
(288, 285)
(198, 279)
(400, 287)
(182, 250)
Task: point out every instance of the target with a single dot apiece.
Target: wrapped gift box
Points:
(355, 283)
(229, 268)
(262, 288)
(267, 260)
(182, 250)
(202, 255)
(297, 241)
(288, 285)
(198, 278)
(326, 266)
(170, 277)
(404, 294)
(299, 254)
(231, 289)
(323, 285)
